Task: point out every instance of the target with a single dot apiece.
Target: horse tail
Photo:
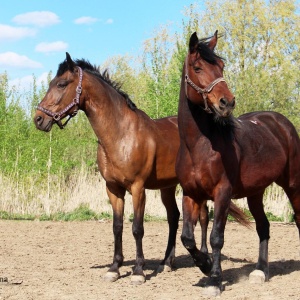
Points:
(239, 215)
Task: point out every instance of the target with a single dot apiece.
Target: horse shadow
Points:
(234, 275)
(182, 261)
(231, 275)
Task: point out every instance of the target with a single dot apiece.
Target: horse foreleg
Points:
(204, 219)
(256, 208)
(191, 212)
(116, 196)
(138, 199)
(221, 208)
(169, 201)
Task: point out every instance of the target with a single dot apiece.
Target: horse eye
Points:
(62, 84)
(197, 69)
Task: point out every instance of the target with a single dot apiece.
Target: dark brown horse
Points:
(134, 152)
(222, 157)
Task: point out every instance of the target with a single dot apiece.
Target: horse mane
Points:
(206, 53)
(94, 70)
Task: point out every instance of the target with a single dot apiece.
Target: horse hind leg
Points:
(169, 201)
(204, 220)
(255, 204)
(294, 197)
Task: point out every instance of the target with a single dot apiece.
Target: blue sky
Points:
(35, 34)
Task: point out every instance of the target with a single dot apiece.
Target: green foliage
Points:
(81, 213)
(25, 150)
(18, 217)
(271, 217)
(147, 218)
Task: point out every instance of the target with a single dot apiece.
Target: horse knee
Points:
(137, 230)
(217, 240)
(117, 227)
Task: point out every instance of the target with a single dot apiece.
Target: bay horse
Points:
(134, 153)
(222, 157)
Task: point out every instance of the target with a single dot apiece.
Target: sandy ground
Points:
(66, 260)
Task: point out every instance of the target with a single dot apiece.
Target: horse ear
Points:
(70, 62)
(213, 42)
(193, 42)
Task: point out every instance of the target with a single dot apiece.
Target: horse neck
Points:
(192, 118)
(105, 108)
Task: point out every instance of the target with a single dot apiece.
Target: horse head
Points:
(204, 82)
(62, 98)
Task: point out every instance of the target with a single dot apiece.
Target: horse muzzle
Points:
(225, 107)
(41, 123)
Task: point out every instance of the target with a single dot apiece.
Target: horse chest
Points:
(111, 168)
(200, 169)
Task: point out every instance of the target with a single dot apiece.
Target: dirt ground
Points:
(66, 260)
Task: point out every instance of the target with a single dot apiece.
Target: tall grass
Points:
(56, 193)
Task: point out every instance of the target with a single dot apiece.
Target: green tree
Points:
(161, 77)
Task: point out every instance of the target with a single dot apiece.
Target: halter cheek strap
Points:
(57, 116)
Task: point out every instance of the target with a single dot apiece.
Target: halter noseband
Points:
(57, 116)
(204, 92)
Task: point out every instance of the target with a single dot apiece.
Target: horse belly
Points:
(257, 175)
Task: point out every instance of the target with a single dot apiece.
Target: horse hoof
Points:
(111, 276)
(137, 279)
(211, 291)
(163, 269)
(206, 266)
(257, 277)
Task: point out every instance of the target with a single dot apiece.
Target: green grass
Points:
(148, 218)
(7, 216)
(84, 213)
(270, 216)
(81, 213)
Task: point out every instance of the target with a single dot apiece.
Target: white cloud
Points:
(23, 83)
(10, 33)
(86, 20)
(51, 47)
(37, 18)
(109, 21)
(14, 60)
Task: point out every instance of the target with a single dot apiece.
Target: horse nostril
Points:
(39, 120)
(223, 102)
(233, 103)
